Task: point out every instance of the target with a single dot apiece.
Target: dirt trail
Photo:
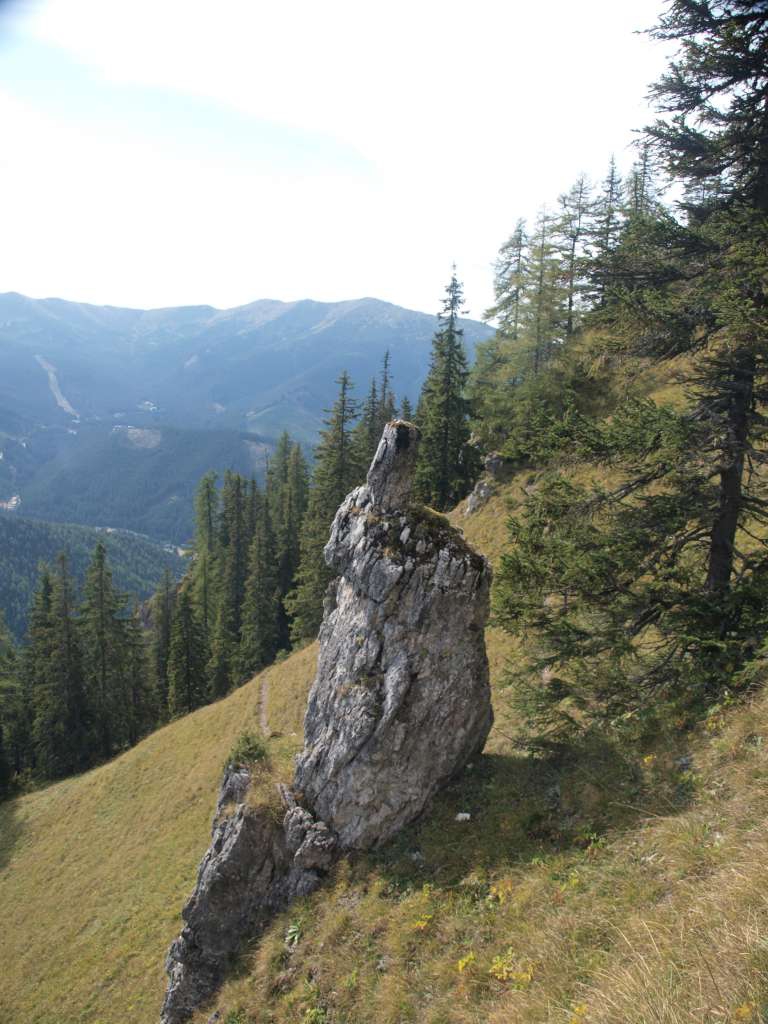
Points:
(263, 698)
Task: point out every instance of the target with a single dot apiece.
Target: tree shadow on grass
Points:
(521, 808)
(10, 830)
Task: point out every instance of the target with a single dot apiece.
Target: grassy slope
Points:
(609, 892)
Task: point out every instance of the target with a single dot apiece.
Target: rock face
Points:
(401, 699)
(253, 868)
(400, 703)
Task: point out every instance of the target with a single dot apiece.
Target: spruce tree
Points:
(337, 470)
(140, 712)
(446, 464)
(406, 409)
(205, 550)
(163, 604)
(231, 585)
(387, 405)
(9, 708)
(61, 722)
(605, 229)
(35, 657)
(259, 630)
(186, 661)
(365, 437)
(102, 637)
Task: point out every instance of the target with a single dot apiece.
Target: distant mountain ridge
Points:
(110, 415)
(264, 366)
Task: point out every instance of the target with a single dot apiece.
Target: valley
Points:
(109, 417)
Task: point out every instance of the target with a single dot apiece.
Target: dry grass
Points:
(94, 870)
(607, 890)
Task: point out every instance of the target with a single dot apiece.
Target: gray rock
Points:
(244, 879)
(481, 494)
(233, 788)
(497, 467)
(400, 703)
(401, 699)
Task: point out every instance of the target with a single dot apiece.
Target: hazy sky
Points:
(160, 152)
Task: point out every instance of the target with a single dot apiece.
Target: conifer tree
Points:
(387, 404)
(8, 707)
(102, 638)
(186, 661)
(337, 470)
(61, 726)
(406, 410)
(571, 233)
(445, 465)
(544, 313)
(605, 232)
(510, 283)
(259, 631)
(663, 579)
(140, 712)
(163, 605)
(205, 550)
(231, 585)
(366, 434)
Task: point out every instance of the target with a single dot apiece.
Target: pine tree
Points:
(337, 470)
(186, 661)
(406, 410)
(102, 638)
(446, 463)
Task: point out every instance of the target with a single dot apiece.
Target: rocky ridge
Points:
(399, 704)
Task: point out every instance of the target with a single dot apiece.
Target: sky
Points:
(169, 152)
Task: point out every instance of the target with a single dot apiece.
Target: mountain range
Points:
(109, 416)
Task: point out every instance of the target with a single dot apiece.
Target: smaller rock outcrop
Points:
(253, 868)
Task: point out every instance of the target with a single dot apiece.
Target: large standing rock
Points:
(400, 703)
(401, 699)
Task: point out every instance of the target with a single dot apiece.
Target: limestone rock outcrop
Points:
(400, 703)
(401, 699)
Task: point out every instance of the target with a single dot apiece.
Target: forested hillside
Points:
(138, 563)
(135, 478)
(601, 861)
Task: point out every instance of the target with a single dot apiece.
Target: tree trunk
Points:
(723, 535)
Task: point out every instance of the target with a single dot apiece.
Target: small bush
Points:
(248, 749)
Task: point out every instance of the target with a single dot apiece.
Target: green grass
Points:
(620, 887)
